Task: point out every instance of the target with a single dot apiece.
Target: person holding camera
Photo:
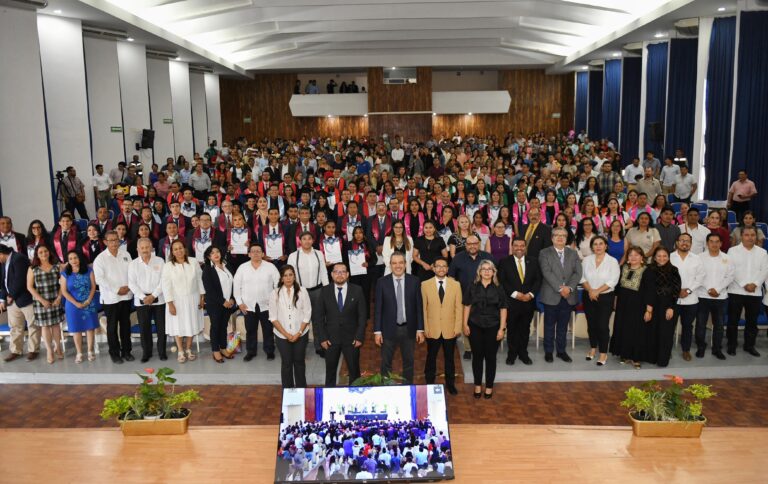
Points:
(73, 192)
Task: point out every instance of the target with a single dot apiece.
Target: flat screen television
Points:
(364, 434)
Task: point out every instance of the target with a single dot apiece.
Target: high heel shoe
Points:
(602, 363)
(228, 355)
(217, 360)
(191, 356)
(487, 395)
(181, 358)
(91, 356)
(479, 394)
(79, 358)
(590, 357)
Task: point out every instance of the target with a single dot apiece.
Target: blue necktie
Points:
(341, 301)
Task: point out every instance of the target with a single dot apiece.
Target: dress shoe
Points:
(752, 352)
(270, 356)
(487, 396)
(467, 355)
(320, 353)
(732, 352)
(163, 357)
(700, 353)
(128, 357)
(145, 359)
(510, 360)
(687, 355)
(526, 360)
(548, 358)
(564, 357)
(718, 354)
(249, 356)
(32, 356)
(477, 395)
(117, 360)
(451, 389)
(11, 357)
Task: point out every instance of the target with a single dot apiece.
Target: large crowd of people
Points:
(365, 449)
(436, 239)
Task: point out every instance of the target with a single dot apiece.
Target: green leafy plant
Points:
(155, 397)
(655, 402)
(378, 380)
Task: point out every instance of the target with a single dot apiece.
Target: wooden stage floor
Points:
(483, 454)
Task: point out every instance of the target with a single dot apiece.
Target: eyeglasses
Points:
(338, 272)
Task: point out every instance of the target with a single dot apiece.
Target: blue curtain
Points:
(681, 96)
(631, 77)
(655, 95)
(319, 404)
(719, 105)
(750, 141)
(413, 403)
(594, 123)
(612, 100)
(582, 83)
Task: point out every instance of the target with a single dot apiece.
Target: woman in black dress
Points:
(661, 311)
(426, 249)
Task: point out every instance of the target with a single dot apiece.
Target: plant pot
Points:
(646, 428)
(165, 426)
(153, 417)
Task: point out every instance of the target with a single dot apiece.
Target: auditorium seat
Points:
(82, 224)
(676, 207)
(731, 216)
(764, 227)
(703, 209)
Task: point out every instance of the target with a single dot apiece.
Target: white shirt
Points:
(608, 272)
(102, 182)
(291, 317)
(146, 278)
(397, 154)
(669, 175)
(699, 236)
(717, 274)
(691, 275)
(111, 273)
(310, 270)
(343, 292)
(750, 267)
(631, 171)
(684, 185)
(253, 286)
(225, 280)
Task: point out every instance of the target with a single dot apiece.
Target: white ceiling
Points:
(274, 35)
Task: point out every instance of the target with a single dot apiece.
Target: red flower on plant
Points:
(149, 370)
(149, 380)
(677, 379)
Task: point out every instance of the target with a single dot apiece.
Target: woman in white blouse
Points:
(397, 242)
(290, 312)
(184, 298)
(217, 282)
(599, 277)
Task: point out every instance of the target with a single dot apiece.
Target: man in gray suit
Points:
(561, 269)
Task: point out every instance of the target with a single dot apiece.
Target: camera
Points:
(60, 175)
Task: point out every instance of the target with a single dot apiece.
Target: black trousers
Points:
(598, 315)
(315, 302)
(688, 313)
(292, 361)
(751, 306)
(484, 349)
(407, 344)
(118, 328)
(351, 357)
(72, 204)
(665, 335)
(519, 318)
(430, 368)
(252, 321)
(716, 309)
(364, 281)
(739, 208)
(219, 317)
(145, 315)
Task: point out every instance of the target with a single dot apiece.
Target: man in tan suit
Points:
(443, 311)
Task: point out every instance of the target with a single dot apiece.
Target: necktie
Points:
(399, 297)
(520, 270)
(306, 228)
(441, 292)
(381, 224)
(529, 232)
(229, 222)
(561, 254)
(274, 231)
(340, 301)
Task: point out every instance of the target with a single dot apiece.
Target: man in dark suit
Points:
(340, 324)
(398, 316)
(379, 226)
(14, 240)
(521, 278)
(202, 237)
(537, 235)
(16, 299)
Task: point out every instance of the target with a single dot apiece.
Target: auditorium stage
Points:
(482, 454)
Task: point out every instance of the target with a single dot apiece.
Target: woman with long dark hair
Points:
(219, 301)
(92, 245)
(36, 235)
(661, 309)
(78, 287)
(44, 285)
(290, 312)
(600, 275)
(426, 249)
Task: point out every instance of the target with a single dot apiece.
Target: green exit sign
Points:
(167, 120)
(116, 129)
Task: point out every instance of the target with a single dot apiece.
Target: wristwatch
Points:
(688, 291)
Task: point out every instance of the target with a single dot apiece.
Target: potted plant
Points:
(368, 379)
(153, 409)
(667, 411)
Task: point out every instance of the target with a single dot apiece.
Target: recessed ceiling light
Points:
(178, 58)
(584, 68)
(365, 115)
(57, 11)
(434, 114)
(617, 54)
(660, 35)
(394, 68)
(129, 39)
(721, 9)
(470, 114)
(329, 115)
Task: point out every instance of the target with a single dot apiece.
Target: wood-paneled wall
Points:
(399, 97)
(535, 97)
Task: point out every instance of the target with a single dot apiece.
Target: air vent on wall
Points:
(687, 27)
(104, 33)
(200, 69)
(161, 54)
(25, 4)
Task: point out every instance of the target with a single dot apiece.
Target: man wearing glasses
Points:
(340, 324)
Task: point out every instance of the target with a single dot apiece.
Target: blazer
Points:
(17, 281)
(442, 318)
(556, 275)
(510, 278)
(385, 311)
(340, 327)
(540, 239)
(214, 296)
